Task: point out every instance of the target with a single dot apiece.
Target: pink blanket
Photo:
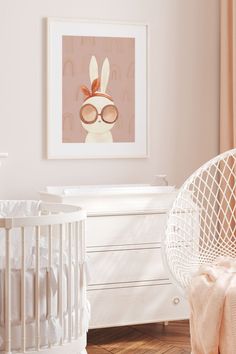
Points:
(212, 297)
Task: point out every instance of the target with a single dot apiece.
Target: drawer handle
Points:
(176, 300)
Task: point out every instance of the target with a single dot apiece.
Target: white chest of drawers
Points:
(128, 283)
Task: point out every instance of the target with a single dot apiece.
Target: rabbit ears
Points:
(105, 73)
(97, 82)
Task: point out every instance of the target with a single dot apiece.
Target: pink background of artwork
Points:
(77, 52)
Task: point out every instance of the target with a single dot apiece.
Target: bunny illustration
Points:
(98, 112)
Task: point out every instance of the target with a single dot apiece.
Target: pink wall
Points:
(183, 91)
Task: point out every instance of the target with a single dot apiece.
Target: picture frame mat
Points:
(57, 28)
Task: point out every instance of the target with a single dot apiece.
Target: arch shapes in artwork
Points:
(131, 71)
(68, 68)
(115, 72)
(88, 41)
(125, 95)
(68, 121)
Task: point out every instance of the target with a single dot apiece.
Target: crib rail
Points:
(51, 281)
(52, 214)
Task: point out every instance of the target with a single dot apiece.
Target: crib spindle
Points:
(49, 277)
(23, 289)
(70, 283)
(61, 283)
(82, 275)
(37, 290)
(76, 279)
(8, 293)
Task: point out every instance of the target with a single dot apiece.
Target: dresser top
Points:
(124, 198)
(113, 189)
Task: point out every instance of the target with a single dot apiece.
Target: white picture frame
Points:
(56, 147)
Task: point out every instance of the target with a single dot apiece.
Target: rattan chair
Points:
(201, 225)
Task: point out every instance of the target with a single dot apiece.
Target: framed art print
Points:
(97, 89)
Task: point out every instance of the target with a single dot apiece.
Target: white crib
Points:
(43, 305)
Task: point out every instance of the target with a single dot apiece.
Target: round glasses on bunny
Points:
(89, 114)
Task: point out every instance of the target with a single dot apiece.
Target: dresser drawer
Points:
(109, 267)
(125, 229)
(135, 305)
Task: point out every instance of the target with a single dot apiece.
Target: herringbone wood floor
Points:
(141, 339)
